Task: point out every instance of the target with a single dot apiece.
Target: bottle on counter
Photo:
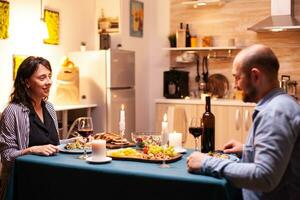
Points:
(180, 36)
(187, 36)
(208, 136)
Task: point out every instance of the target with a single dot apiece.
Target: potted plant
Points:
(172, 39)
(82, 46)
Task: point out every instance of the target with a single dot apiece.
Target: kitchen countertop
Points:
(227, 102)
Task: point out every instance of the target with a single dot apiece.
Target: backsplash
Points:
(231, 21)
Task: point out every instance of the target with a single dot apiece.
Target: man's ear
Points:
(255, 75)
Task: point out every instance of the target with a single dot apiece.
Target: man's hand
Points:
(195, 161)
(233, 146)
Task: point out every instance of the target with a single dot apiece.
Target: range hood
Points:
(197, 3)
(281, 19)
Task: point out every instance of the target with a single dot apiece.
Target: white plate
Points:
(182, 150)
(61, 148)
(103, 160)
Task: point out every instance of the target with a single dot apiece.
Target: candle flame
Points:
(122, 107)
(165, 117)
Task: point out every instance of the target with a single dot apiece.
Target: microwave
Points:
(176, 84)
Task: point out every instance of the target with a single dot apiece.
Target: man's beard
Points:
(249, 95)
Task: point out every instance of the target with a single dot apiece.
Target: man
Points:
(270, 164)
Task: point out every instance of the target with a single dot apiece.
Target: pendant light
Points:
(43, 25)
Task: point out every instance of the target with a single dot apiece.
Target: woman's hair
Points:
(20, 94)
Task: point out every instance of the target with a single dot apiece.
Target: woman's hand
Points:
(233, 146)
(45, 150)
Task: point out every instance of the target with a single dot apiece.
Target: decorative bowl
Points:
(142, 139)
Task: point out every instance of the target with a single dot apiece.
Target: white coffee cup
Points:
(98, 149)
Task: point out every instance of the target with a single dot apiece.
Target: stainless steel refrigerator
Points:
(107, 78)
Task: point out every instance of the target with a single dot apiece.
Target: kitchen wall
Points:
(78, 22)
(151, 59)
(24, 36)
(231, 21)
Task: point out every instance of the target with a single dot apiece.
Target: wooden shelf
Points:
(202, 48)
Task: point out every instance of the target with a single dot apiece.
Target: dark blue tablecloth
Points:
(64, 176)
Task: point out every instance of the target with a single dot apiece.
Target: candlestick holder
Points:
(122, 131)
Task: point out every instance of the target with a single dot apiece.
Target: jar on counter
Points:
(194, 41)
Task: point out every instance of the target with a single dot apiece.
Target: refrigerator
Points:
(107, 78)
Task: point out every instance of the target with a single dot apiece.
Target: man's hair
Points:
(261, 57)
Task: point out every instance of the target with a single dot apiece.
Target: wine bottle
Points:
(180, 36)
(187, 36)
(208, 136)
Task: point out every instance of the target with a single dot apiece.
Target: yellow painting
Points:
(4, 19)
(17, 60)
(52, 21)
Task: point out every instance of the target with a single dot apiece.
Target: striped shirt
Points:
(14, 134)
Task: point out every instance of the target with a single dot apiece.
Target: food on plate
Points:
(112, 138)
(218, 154)
(151, 152)
(142, 140)
(78, 143)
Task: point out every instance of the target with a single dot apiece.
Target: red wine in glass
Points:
(196, 131)
(85, 132)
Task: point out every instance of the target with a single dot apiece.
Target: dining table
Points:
(64, 176)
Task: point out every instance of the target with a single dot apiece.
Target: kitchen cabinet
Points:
(232, 119)
(202, 48)
(232, 122)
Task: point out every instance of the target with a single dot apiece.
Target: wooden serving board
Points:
(117, 146)
(173, 159)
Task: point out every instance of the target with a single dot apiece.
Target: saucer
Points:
(103, 160)
(182, 150)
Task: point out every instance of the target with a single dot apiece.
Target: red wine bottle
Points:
(187, 36)
(208, 136)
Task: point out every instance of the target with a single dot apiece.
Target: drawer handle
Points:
(237, 119)
(246, 120)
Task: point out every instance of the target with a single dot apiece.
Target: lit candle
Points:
(175, 140)
(122, 119)
(164, 124)
(164, 130)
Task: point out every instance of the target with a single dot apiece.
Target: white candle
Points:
(164, 131)
(175, 140)
(98, 149)
(164, 124)
(122, 118)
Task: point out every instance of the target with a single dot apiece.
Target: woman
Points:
(28, 124)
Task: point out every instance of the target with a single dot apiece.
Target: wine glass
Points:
(164, 145)
(196, 129)
(85, 129)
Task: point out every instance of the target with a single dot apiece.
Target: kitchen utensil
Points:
(288, 85)
(197, 79)
(218, 85)
(205, 71)
(284, 82)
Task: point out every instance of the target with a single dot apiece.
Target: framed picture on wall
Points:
(52, 21)
(136, 18)
(4, 19)
(17, 60)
